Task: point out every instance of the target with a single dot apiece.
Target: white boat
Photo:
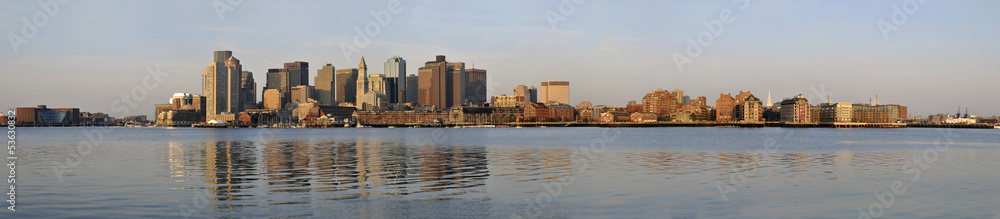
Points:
(518, 127)
(392, 127)
(996, 127)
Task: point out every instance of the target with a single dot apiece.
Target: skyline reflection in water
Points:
(438, 173)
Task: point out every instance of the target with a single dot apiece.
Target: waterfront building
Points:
(724, 108)
(507, 114)
(42, 115)
(536, 112)
(749, 110)
(401, 117)
(611, 117)
(554, 91)
(326, 85)
(660, 102)
(700, 101)
(835, 112)
(795, 110)
(740, 97)
(221, 85)
(633, 107)
(640, 117)
(475, 88)
(867, 113)
(395, 69)
(467, 114)
(694, 113)
(508, 101)
(530, 93)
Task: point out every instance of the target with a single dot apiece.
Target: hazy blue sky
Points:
(944, 55)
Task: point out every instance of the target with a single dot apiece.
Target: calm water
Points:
(508, 173)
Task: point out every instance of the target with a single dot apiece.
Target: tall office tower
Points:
(441, 83)
(687, 99)
(456, 83)
(248, 91)
(678, 95)
(395, 67)
(346, 89)
(221, 84)
(530, 93)
(412, 85)
(278, 78)
(554, 91)
(475, 88)
(302, 93)
(325, 85)
(362, 82)
(298, 73)
(391, 94)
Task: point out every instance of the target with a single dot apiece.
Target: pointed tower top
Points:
(362, 64)
(769, 104)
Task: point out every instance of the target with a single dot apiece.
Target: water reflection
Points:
(301, 172)
(386, 176)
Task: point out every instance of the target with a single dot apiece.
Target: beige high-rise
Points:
(325, 85)
(221, 85)
(554, 91)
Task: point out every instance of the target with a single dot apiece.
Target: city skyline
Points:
(608, 62)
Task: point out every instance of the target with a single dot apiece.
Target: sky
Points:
(933, 56)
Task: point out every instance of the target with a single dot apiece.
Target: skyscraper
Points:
(248, 91)
(346, 89)
(325, 85)
(678, 95)
(412, 85)
(441, 83)
(302, 93)
(362, 82)
(554, 91)
(475, 89)
(395, 67)
(431, 91)
(530, 93)
(457, 79)
(298, 73)
(391, 94)
(221, 85)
